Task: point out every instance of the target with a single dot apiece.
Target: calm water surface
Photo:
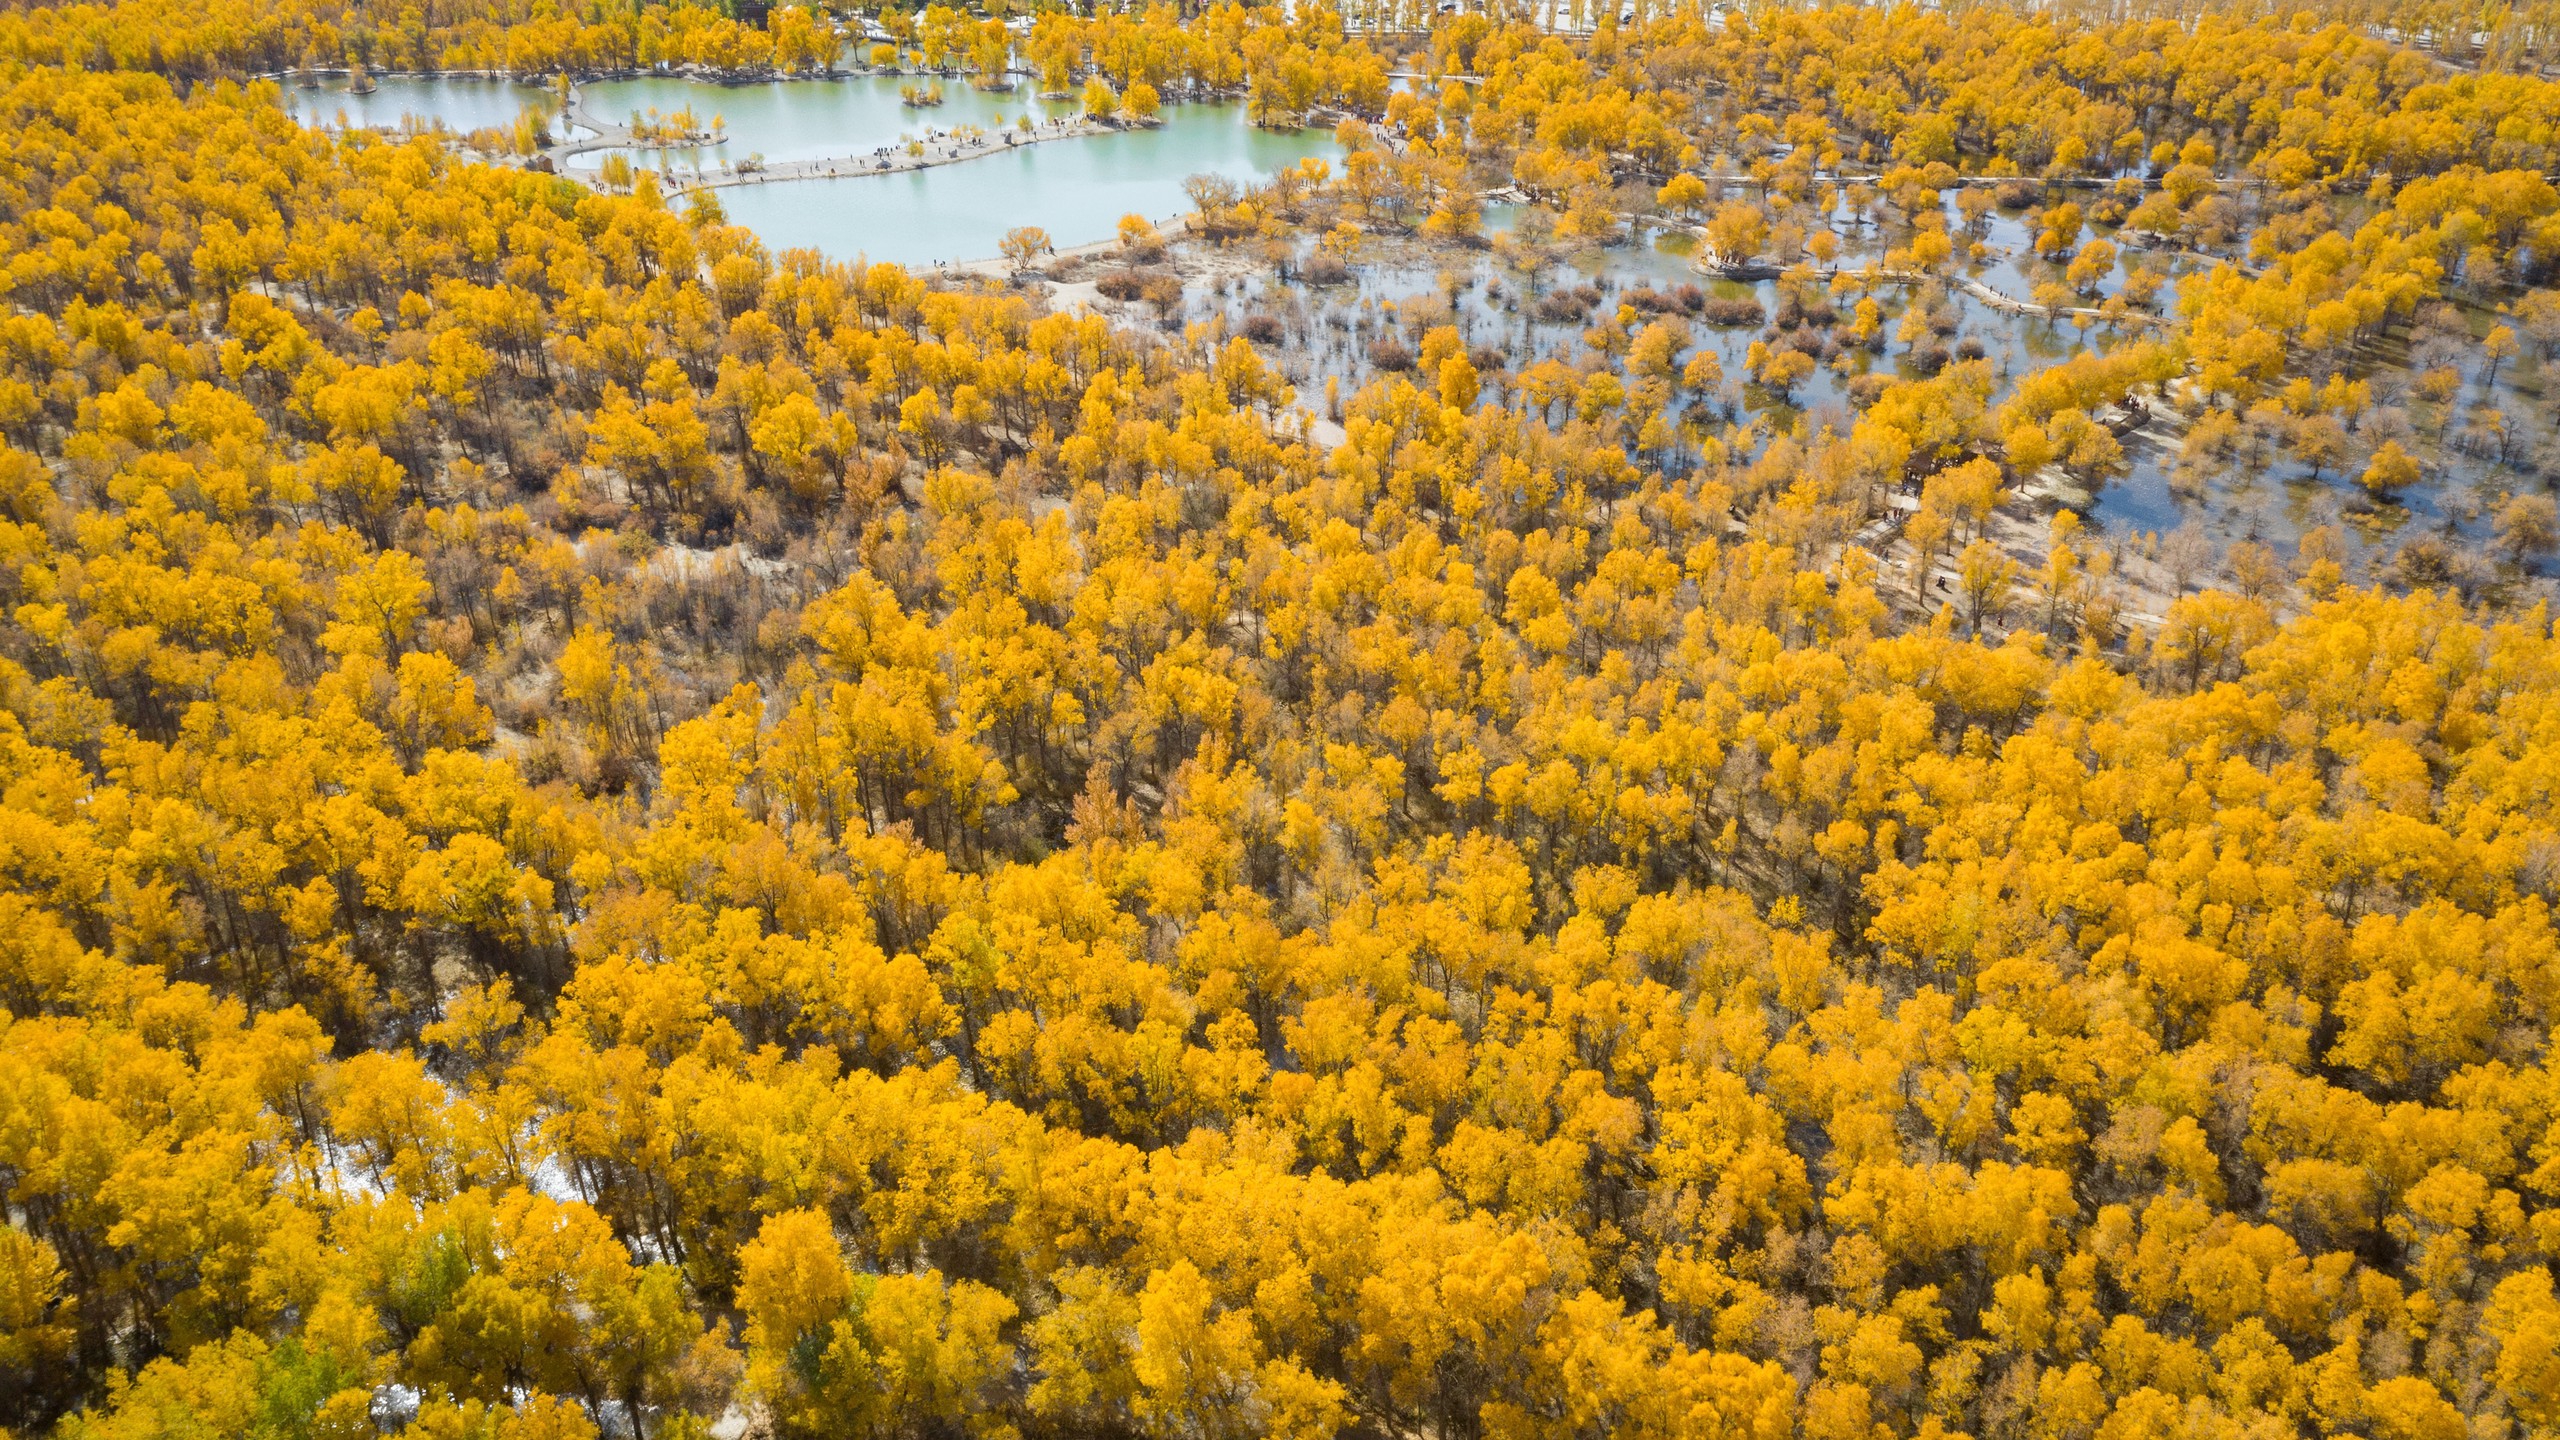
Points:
(1077, 190)
(460, 103)
(785, 120)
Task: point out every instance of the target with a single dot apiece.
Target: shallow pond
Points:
(1077, 190)
(785, 120)
(459, 103)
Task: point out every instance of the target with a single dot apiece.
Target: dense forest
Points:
(603, 830)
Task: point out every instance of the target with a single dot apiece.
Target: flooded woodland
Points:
(1351, 300)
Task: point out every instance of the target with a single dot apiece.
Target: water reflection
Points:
(460, 103)
(786, 120)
